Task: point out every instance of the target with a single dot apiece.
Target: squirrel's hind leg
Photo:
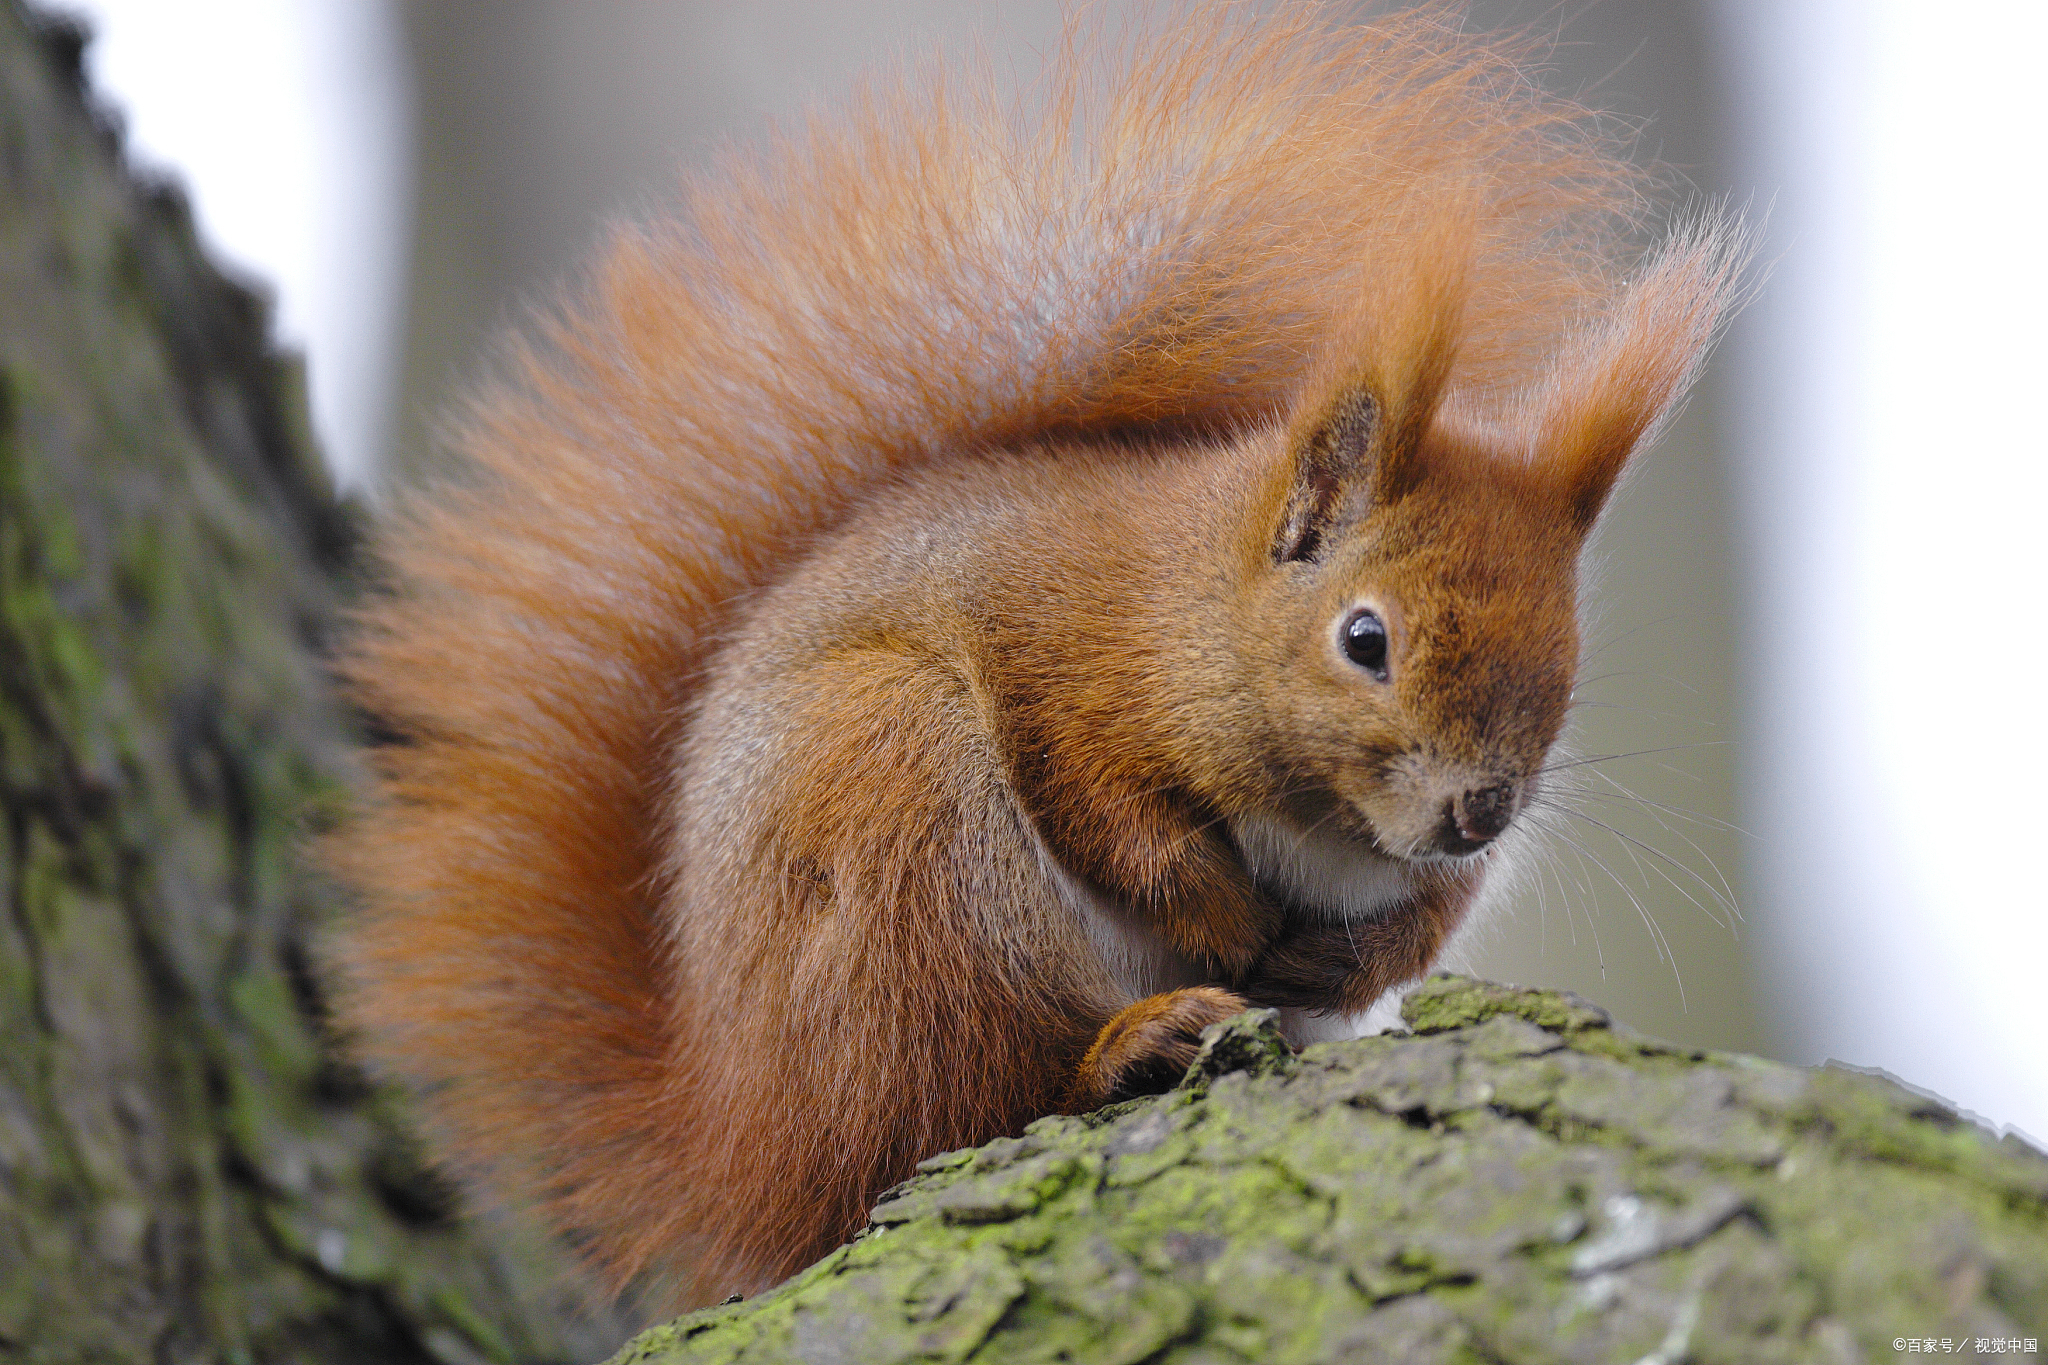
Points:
(876, 965)
(1148, 1046)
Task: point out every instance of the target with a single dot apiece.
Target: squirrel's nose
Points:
(1482, 814)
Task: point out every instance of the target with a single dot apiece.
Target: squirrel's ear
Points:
(1330, 454)
(1615, 388)
(1354, 440)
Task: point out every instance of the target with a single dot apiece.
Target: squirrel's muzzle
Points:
(1476, 817)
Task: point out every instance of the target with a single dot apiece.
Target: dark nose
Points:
(1481, 815)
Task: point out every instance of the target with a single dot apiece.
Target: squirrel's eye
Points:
(1365, 643)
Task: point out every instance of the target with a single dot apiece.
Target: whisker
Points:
(1662, 944)
(1637, 673)
(1728, 898)
(1553, 867)
(1633, 753)
(1672, 716)
(1543, 870)
(1665, 858)
(1592, 899)
(1614, 640)
(1682, 812)
(1598, 678)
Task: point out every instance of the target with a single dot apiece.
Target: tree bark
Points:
(1517, 1181)
(188, 1171)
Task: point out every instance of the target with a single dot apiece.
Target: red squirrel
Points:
(980, 594)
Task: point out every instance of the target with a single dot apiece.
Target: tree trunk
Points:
(187, 1171)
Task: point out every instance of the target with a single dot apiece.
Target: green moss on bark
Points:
(1515, 1180)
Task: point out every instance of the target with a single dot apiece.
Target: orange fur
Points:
(883, 548)
(1149, 1045)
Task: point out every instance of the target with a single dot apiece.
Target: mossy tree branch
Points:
(1515, 1181)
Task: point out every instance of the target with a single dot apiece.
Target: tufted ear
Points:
(1620, 382)
(1353, 438)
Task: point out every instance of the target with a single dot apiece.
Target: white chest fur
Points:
(1318, 871)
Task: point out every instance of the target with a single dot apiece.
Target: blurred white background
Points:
(1822, 591)
(1888, 438)
(289, 123)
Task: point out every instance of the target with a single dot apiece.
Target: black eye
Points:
(1365, 643)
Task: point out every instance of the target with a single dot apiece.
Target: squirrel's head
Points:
(1416, 572)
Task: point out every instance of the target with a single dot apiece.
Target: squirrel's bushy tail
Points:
(1160, 237)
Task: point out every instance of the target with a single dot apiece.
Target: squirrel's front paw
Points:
(1147, 1047)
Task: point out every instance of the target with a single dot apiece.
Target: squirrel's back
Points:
(1162, 241)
